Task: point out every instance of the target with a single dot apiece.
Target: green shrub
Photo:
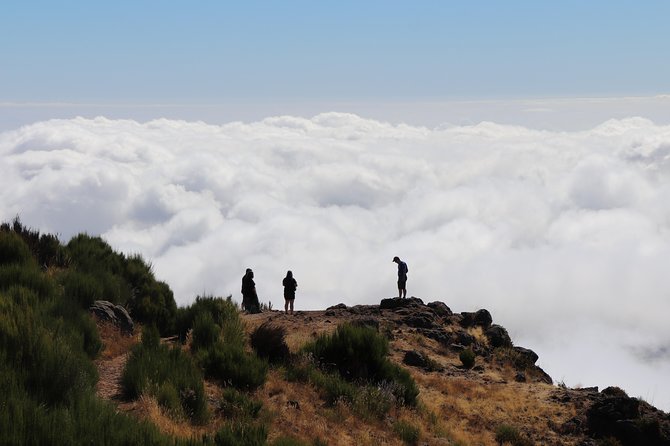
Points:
(235, 404)
(81, 288)
(467, 357)
(238, 433)
(232, 366)
(13, 250)
(269, 342)
(28, 277)
(152, 365)
(205, 332)
(407, 432)
(223, 312)
(359, 354)
(506, 433)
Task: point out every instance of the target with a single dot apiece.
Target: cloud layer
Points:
(563, 236)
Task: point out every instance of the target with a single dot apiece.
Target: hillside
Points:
(503, 393)
(94, 350)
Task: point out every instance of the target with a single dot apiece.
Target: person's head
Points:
(250, 273)
(289, 274)
(396, 259)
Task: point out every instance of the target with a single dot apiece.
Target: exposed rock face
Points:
(113, 313)
(528, 356)
(394, 302)
(629, 420)
(480, 318)
(440, 309)
(498, 336)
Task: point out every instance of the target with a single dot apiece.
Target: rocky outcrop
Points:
(115, 314)
(394, 303)
(629, 420)
(498, 336)
(480, 318)
(440, 309)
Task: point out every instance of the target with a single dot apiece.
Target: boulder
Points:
(115, 314)
(464, 338)
(395, 302)
(526, 355)
(337, 307)
(419, 320)
(480, 318)
(438, 334)
(440, 309)
(415, 359)
(498, 336)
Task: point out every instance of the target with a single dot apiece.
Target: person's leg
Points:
(286, 305)
(291, 304)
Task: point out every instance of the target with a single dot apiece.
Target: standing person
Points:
(290, 285)
(402, 277)
(249, 297)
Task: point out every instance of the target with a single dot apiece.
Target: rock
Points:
(520, 377)
(526, 355)
(415, 359)
(480, 318)
(440, 308)
(498, 336)
(339, 306)
(464, 338)
(438, 334)
(607, 416)
(419, 320)
(115, 314)
(542, 376)
(395, 302)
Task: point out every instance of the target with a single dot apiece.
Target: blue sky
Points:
(210, 52)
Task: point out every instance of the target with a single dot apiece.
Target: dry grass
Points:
(114, 341)
(457, 406)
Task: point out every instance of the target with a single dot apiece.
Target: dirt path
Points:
(110, 371)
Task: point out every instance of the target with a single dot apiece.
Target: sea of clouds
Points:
(563, 235)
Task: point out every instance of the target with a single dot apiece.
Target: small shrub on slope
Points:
(359, 354)
(154, 368)
(467, 357)
(269, 342)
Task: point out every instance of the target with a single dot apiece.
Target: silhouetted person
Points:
(290, 285)
(250, 301)
(402, 277)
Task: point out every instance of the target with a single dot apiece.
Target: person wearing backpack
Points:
(402, 277)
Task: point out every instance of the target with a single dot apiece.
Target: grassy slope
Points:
(457, 406)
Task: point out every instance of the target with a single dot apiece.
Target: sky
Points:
(515, 154)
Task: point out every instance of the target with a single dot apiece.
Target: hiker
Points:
(290, 286)
(402, 277)
(249, 297)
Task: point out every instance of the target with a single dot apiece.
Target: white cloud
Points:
(563, 236)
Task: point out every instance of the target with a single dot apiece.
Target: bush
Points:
(236, 433)
(269, 342)
(407, 432)
(81, 288)
(153, 368)
(506, 433)
(223, 312)
(13, 250)
(232, 366)
(467, 357)
(235, 404)
(205, 332)
(359, 354)
(28, 277)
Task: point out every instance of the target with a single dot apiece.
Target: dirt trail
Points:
(109, 371)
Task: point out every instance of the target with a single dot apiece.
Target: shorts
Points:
(289, 296)
(402, 282)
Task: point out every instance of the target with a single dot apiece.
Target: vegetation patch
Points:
(166, 373)
(360, 354)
